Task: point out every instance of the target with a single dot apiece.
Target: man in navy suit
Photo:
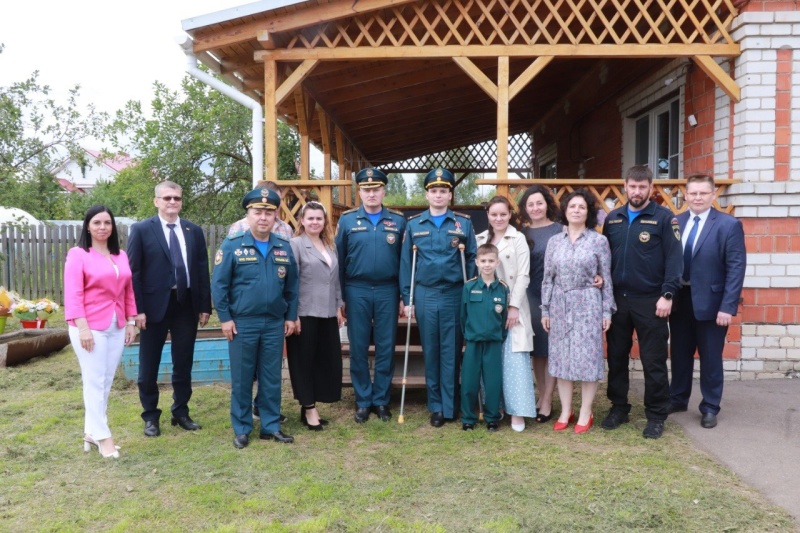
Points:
(714, 262)
(172, 287)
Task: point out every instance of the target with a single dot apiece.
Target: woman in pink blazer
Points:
(98, 296)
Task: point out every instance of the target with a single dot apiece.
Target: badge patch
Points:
(390, 238)
(454, 242)
(281, 271)
(644, 237)
(498, 308)
(252, 251)
(238, 252)
(677, 232)
(218, 257)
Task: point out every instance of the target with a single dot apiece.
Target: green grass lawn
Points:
(372, 477)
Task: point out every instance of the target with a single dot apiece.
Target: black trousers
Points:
(180, 321)
(706, 338)
(315, 361)
(639, 314)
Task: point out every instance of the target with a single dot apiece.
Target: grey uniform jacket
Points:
(320, 292)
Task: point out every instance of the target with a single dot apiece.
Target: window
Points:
(547, 161)
(657, 140)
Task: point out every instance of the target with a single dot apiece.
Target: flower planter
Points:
(33, 324)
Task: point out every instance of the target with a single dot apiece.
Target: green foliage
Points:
(37, 132)
(396, 191)
(197, 138)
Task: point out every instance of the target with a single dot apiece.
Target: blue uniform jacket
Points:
(246, 284)
(438, 257)
(367, 253)
(646, 256)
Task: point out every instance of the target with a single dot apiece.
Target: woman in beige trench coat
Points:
(514, 270)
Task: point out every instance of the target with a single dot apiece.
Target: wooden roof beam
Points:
(326, 12)
(720, 77)
(294, 79)
(571, 50)
(477, 75)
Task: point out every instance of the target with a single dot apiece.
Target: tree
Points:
(197, 138)
(36, 132)
(396, 193)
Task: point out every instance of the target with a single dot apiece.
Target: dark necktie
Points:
(177, 262)
(687, 251)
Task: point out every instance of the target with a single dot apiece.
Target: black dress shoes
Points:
(186, 423)
(383, 412)
(654, 429)
(362, 415)
(241, 441)
(677, 408)
(151, 428)
(467, 427)
(492, 426)
(304, 420)
(437, 419)
(709, 420)
(278, 436)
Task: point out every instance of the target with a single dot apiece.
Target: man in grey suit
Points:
(714, 260)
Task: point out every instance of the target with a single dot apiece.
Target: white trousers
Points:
(97, 372)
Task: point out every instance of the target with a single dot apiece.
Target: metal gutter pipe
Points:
(236, 95)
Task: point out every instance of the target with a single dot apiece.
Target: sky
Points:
(114, 51)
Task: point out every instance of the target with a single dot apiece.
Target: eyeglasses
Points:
(170, 198)
(699, 194)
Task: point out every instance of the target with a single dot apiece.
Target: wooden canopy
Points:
(379, 82)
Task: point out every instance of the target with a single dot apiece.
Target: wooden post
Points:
(302, 128)
(502, 123)
(325, 133)
(270, 119)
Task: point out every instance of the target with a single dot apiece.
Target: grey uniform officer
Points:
(368, 241)
(255, 291)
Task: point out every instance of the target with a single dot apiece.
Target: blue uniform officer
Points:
(437, 233)
(255, 290)
(368, 241)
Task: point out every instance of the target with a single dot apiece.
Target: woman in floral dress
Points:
(575, 313)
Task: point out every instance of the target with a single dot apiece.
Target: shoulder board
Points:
(503, 283)
(392, 211)
(412, 217)
(473, 279)
(350, 211)
(461, 214)
(281, 237)
(236, 235)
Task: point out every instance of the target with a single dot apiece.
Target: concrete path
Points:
(758, 436)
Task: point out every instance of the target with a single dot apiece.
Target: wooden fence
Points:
(32, 257)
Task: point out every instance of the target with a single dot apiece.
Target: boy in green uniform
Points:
(484, 309)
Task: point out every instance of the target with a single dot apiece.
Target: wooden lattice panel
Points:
(611, 193)
(527, 22)
(480, 157)
(297, 192)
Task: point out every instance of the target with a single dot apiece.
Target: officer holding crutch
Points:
(437, 233)
(401, 418)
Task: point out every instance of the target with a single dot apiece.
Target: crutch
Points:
(401, 418)
(464, 274)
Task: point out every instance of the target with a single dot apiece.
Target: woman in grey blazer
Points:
(315, 351)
